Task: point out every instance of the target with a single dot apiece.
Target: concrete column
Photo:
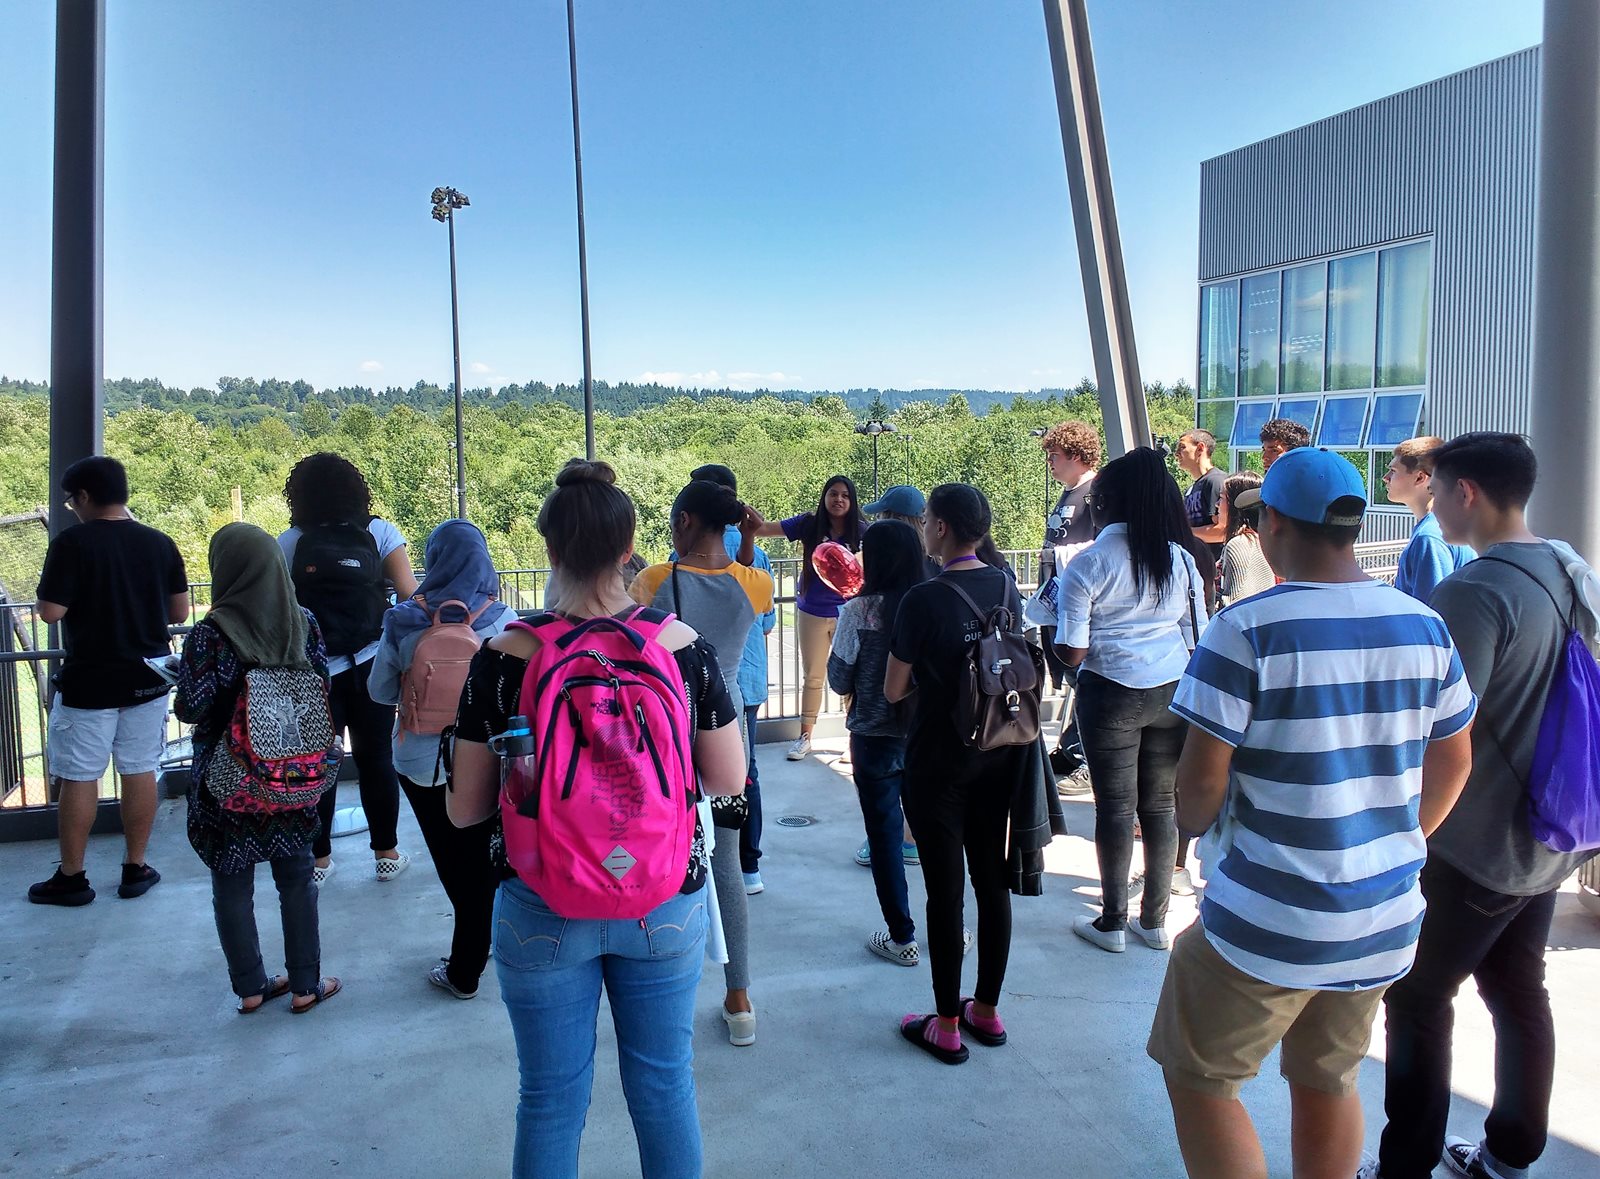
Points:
(76, 313)
(1566, 301)
(1094, 215)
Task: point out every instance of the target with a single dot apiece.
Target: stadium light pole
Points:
(445, 203)
(1040, 433)
(874, 430)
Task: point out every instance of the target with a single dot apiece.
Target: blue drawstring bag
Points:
(1563, 783)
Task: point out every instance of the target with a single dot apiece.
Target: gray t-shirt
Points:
(722, 604)
(1511, 643)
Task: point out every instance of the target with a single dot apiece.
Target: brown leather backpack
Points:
(1001, 678)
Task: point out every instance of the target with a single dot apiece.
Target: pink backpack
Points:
(599, 819)
(430, 686)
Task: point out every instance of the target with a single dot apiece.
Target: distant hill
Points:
(243, 401)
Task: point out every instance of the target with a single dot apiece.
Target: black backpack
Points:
(338, 576)
(1000, 681)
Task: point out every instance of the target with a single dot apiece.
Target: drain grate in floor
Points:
(796, 820)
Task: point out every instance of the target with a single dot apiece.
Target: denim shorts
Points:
(84, 741)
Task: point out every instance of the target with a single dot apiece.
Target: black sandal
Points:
(987, 1039)
(327, 988)
(914, 1028)
(276, 988)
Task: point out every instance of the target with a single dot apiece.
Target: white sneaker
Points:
(385, 869)
(320, 876)
(741, 1027)
(1369, 1168)
(800, 749)
(1182, 883)
(901, 954)
(1112, 943)
(753, 883)
(1156, 938)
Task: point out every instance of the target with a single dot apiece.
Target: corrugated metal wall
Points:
(1453, 159)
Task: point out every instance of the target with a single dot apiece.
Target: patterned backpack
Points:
(600, 818)
(277, 752)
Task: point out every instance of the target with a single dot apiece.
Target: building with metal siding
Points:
(1415, 210)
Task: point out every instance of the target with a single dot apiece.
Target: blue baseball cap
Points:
(1314, 485)
(901, 499)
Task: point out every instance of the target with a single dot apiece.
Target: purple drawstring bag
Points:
(1563, 783)
(1564, 779)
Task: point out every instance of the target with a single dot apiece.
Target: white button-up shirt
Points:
(1136, 640)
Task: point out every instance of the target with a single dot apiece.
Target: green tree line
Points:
(185, 458)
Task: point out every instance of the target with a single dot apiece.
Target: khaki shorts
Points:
(1215, 1024)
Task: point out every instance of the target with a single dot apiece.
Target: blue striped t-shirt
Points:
(1329, 693)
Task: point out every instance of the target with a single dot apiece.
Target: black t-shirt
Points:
(115, 578)
(1204, 503)
(932, 631)
(1070, 523)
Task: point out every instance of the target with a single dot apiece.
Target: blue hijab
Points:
(457, 567)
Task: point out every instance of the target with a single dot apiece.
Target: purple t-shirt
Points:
(813, 597)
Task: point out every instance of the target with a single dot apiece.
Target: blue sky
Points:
(809, 194)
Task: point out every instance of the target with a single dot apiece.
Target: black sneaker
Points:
(1464, 1158)
(62, 889)
(137, 879)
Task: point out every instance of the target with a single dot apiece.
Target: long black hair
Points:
(1137, 490)
(892, 561)
(817, 526)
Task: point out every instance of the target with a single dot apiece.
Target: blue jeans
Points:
(551, 971)
(880, 764)
(750, 833)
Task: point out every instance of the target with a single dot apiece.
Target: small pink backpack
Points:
(430, 686)
(599, 819)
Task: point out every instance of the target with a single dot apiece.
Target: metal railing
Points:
(26, 652)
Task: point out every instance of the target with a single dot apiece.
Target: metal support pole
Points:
(1094, 215)
(583, 249)
(455, 340)
(1566, 301)
(76, 305)
(875, 492)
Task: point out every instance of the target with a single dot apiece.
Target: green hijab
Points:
(252, 599)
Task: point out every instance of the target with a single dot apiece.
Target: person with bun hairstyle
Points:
(329, 498)
(552, 969)
(957, 797)
(837, 517)
(722, 600)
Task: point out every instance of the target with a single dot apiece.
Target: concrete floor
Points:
(120, 1054)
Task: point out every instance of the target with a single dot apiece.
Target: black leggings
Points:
(371, 727)
(955, 806)
(461, 857)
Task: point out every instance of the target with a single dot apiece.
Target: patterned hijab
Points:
(252, 599)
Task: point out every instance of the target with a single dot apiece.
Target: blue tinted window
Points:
(1219, 340)
(1342, 421)
(1247, 422)
(1394, 419)
(1300, 409)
